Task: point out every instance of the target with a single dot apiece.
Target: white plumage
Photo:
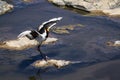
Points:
(49, 21)
(23, 34)
(43, 29)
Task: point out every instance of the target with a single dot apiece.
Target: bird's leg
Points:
(39, 50)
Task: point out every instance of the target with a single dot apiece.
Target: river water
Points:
(87, 44)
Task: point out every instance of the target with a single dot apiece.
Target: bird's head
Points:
(47, 29)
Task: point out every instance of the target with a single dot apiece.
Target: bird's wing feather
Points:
(24, 33)
(50, 23)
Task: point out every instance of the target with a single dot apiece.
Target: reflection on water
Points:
(38, 75)
(86, 44)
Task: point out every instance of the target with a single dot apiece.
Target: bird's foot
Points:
(46, 58)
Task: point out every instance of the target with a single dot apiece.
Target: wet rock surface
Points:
(114, 43)
(23, 43)
(66, 29)
(109, 6)
(50, 63)
(53, 63)
(5, 7)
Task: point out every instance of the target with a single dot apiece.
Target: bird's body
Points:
(42, 31)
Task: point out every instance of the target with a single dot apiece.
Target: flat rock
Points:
(108, 6)
(115, 43)
(23, 43)
(53, 63)
(66, 29)
(5, 7)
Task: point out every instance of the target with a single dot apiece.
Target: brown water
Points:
(86, 44)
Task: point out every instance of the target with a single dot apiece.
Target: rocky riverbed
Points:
(110, 7)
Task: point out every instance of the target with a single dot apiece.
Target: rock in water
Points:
(5, 7)
(115, 43)
(23, 43)
(52, 63)
(50, 40)
(66, 29)
(108, 6)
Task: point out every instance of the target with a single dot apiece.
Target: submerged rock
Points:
(23, 43)
(61, 31)
(66, 29)
(52, 63)
(108, 6)
(5, 7)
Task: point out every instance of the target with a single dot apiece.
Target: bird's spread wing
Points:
(24, 33)
(48, 24)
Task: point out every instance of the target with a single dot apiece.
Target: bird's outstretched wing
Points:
(23, 34)
(48, 24)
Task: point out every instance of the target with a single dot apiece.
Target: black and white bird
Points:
(42, 31)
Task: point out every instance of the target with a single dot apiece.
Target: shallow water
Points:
(84, 43)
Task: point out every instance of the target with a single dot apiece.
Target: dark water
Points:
(87, 44)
